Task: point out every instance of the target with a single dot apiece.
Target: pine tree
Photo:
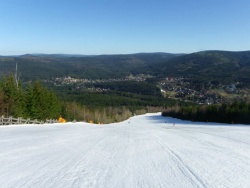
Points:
(41, 103)
(13, 97)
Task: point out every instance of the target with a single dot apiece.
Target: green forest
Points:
(108, 98)
(119, 101)
(222, 66)
(236, 112)
(36, 101)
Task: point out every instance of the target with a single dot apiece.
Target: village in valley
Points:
(209, 93)
(178, 88)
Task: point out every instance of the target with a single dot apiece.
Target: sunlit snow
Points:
(144, 151)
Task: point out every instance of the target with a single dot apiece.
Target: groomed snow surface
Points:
(144, 151)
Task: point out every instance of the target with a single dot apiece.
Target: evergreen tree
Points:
(13, 97)
(41, 103)
(237, 112)
(37, 102)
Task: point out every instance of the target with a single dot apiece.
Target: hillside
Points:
(222, 66)
(90, 67)
(202, 77)
(144, 151)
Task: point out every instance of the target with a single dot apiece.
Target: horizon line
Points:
(76, 54)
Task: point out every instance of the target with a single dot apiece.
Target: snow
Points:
(144, 151)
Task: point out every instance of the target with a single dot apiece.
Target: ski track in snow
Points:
(181, 165)
(144, 151)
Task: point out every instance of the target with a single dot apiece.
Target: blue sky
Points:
(123, 26)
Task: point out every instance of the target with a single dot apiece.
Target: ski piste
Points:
(144, 151)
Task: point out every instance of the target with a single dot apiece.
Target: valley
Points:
(138, 80)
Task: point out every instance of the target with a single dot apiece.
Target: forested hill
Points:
(218, 65)
(206, 65)
(92, 67)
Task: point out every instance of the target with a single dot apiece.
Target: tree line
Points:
(104, 114)
(35, 101)
(236, 112)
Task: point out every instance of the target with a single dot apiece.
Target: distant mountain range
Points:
(224, 66)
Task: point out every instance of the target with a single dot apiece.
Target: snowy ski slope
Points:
(144, 151)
